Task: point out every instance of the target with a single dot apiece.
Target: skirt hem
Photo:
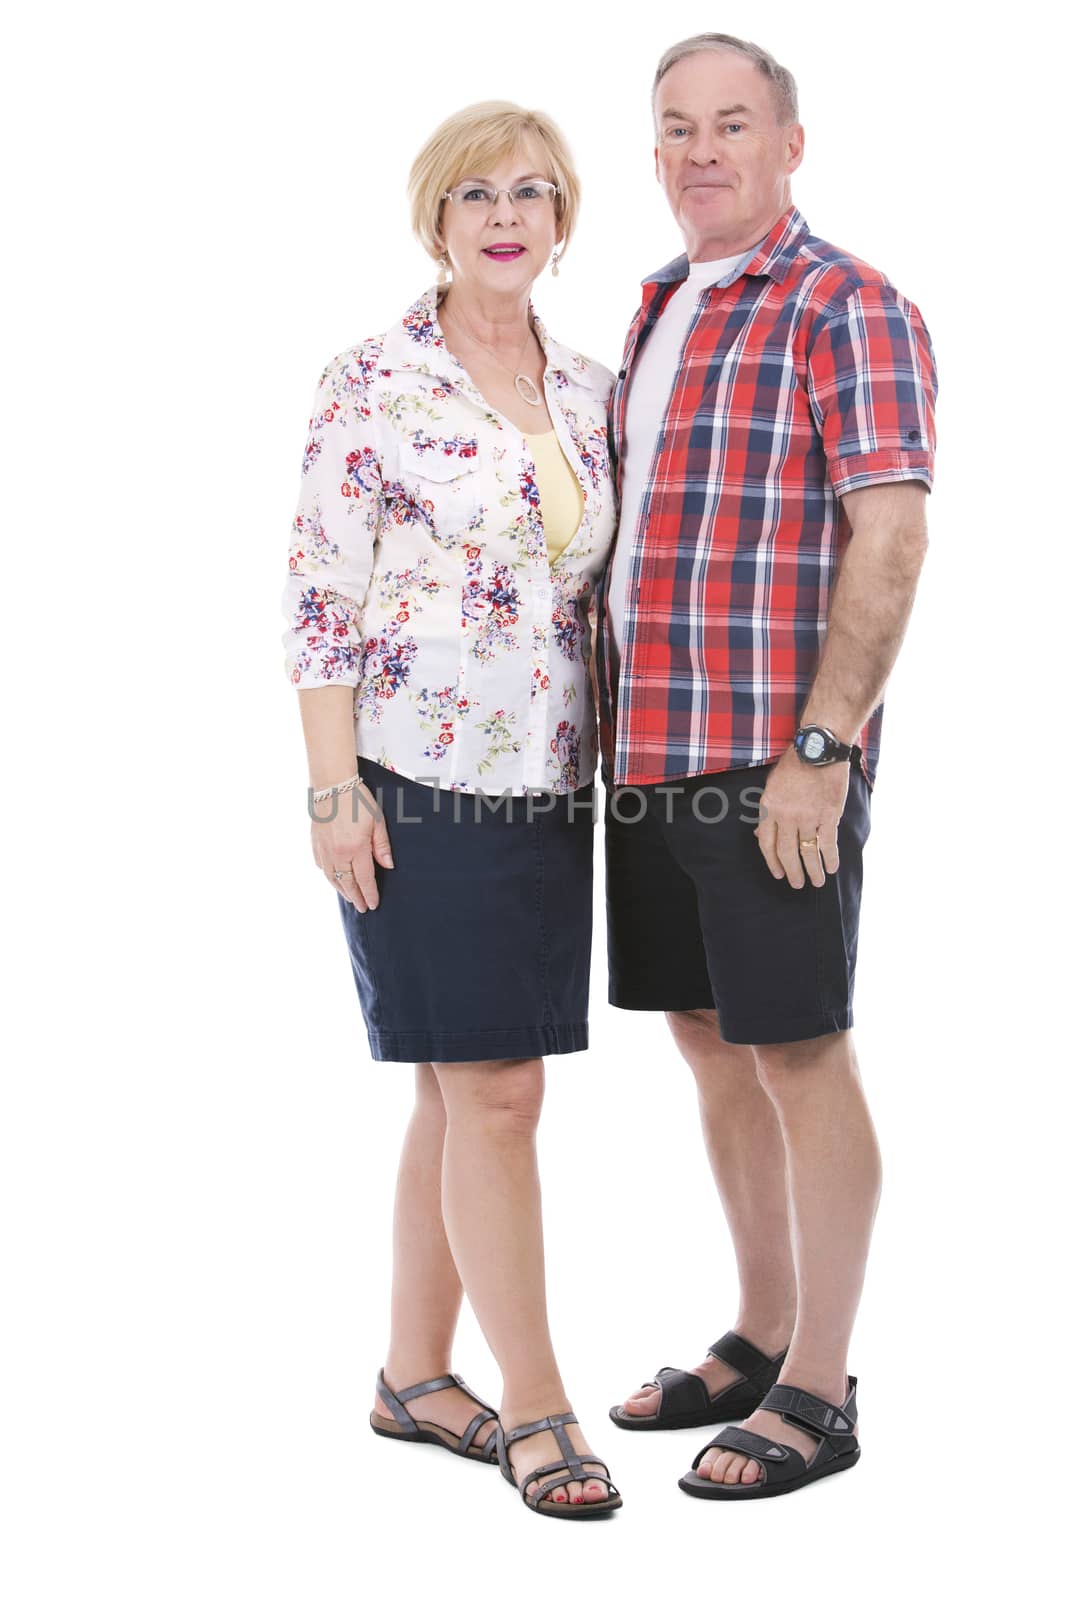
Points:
(487, 1044)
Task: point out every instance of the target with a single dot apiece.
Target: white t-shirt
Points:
(646, 406)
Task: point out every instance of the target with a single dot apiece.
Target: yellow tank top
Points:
(562, 500)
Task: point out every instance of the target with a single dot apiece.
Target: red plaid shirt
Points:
(803, 376)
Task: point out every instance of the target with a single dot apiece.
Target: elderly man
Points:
(773, 427)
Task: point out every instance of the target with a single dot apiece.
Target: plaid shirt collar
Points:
(771, 257)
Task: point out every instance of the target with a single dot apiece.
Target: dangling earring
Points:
(555, 263)
(442, 275)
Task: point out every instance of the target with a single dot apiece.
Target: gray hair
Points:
(782, 80)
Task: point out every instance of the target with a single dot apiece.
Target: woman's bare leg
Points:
(491, 1203)
(426, 1288)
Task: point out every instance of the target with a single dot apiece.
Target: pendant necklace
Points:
(525, 385)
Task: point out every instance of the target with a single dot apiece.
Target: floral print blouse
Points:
(419, 573)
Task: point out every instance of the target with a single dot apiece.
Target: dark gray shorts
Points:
(479, 948)
(697, 922)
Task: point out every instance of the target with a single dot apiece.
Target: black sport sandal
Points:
(684, 1399)
(784, 1469)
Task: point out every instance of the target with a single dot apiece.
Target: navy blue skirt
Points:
(479, 948)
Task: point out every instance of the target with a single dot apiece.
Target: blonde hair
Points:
(469, 144)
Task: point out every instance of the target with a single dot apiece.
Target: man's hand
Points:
(802, 802)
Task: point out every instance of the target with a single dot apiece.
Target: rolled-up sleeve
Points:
(872, 384)
(331, 550)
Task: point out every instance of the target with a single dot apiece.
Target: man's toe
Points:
(644, 1402)
(752, 1473)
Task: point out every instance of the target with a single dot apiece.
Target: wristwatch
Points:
(819, 747)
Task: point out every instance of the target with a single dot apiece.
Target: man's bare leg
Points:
(834, 1176)
(743, 1138)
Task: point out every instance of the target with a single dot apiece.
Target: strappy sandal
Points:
(403, 1425)
(784, 1469)
(684, 1399)
(572, 1465)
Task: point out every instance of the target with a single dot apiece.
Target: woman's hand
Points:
(348, 835)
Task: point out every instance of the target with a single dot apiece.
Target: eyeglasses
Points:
(479, 197)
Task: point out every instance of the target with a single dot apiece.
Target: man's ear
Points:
(796, 148)
(655, 157)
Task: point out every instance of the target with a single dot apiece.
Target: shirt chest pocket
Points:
(447, 483)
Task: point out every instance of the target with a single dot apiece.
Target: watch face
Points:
(814, 745)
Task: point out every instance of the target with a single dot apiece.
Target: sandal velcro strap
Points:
(749, 1444)
(810, 1412)
(738, 1353)
(680, 1392)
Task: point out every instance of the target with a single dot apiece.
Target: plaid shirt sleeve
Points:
(872, 383)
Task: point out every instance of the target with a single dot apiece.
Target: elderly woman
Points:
(456, 512)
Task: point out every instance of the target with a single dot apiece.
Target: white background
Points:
(206, 204)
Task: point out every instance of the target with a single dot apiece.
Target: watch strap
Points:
(837, 750)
